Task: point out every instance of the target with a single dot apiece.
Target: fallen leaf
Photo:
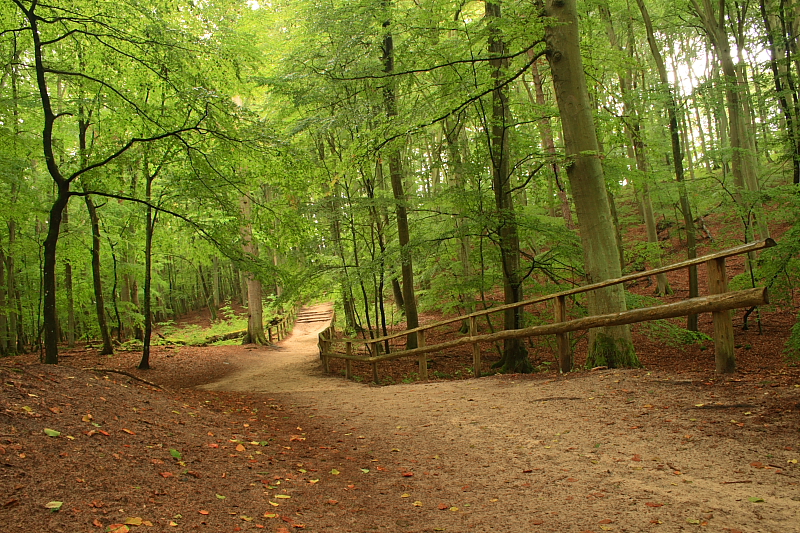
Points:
(203, 512)
(332, 502)
(97, 523)
(408, 474)
(128, 431)
(417, 503)
(270, 515)
(755, 499)
(335, 472)
(757, 464)
(283, 496)
(636, 458)
(166, 474)
(443, 506)
(220, 497)
(136, 521)
(118, 528)
(606, 521)
(87, 418)
(246, 518)
(653, 504)
(175, 453)
(240, 448)
(365, 470)
(51, 432)
(54, 506)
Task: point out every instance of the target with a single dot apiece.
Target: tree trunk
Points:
(677, 160)
(97, 280)
(396, 177)
(743, 163)
(792, 127)
(610, 346)
(4, 351)
(68, 288)
(255, 310)
(515, 356)
(546, 133)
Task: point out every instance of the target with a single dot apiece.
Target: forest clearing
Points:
(192, 192)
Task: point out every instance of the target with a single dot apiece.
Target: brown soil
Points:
(244, 438)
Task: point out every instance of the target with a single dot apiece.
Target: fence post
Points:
(476, 349)
(348, 367)
(373, 349)
(723, 325)
(562, 339)
(423, 359)
(324, 347)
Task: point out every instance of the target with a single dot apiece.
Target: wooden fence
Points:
(718, 302)
(279, 331)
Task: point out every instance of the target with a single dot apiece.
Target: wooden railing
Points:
(718, 302)
(277, 332)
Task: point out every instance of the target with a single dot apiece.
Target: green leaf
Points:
(221, 497)
(51, 432)
(54, 506)
(756, 499)
(175, 453)
(334, 472)
(365, 470)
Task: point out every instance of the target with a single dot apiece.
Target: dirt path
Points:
(291, 366)
(602, 451)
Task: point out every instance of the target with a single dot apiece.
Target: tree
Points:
(613, 346)
(515, 356)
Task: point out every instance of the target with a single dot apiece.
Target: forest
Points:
(397, 157)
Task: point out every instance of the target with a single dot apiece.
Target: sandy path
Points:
(604, 451)
(292, 365)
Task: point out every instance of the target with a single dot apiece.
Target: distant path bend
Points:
(292, 365)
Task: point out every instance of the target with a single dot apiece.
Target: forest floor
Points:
(244, 438)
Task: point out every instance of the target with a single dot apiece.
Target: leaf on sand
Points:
(335, 472)
(118, 528)
(756, 499)
(240, 448)
(246, 518)
(417, 503)
(175, 453)
(136, 521)
(407, 474)
(128, 431)
(283, 496)
(365, 470)
(54, 506)
(653, 504)
(220, 497)
(270, 515)
(52, 432)
(203, 512)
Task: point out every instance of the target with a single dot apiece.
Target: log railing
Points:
(718, 302)
(278, 331)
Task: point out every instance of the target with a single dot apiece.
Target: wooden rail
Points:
(283, 327)
(719, 302)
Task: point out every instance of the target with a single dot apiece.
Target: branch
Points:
(435, 67)
(465, 103)
(130, 143)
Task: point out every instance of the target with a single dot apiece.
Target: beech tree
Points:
(611, 346)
